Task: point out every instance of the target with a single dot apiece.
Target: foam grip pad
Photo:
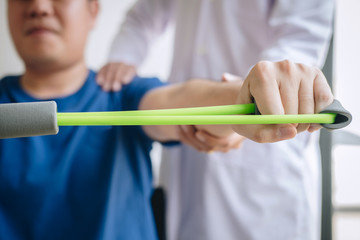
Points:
(28, 119)
(343, 117)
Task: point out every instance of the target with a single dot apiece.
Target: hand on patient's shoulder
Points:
(283, 88)
(113, 75)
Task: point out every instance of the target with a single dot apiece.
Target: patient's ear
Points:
(94, 8)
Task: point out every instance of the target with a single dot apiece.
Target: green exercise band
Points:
(41, 118)
(228, 114)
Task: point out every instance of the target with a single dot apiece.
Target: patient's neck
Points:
(58, 82)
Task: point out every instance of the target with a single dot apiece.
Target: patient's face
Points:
(48, 32)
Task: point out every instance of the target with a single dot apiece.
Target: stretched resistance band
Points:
(42, 118)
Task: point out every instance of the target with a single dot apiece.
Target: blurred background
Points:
(343, 177)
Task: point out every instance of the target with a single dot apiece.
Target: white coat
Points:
(261, 191)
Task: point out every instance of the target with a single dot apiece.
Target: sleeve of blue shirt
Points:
(134, 92)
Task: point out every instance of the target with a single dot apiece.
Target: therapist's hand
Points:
(203, 141)
(283, 88)
(115, 74)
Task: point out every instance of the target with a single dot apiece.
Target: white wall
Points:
(9, 61)
(346, 160)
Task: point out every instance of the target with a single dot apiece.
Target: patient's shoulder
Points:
(8, 82)
(10, 79)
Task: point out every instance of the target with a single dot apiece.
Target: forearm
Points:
(195, 93)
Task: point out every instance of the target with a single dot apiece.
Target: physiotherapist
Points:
(260, 191)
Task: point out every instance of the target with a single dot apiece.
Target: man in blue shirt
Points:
(95, 182)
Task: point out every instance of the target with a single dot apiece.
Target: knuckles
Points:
(263, 68)
(323, 97)
(263, 72)
(287, 67)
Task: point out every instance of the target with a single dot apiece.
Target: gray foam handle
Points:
(28, 119)
(343, 117)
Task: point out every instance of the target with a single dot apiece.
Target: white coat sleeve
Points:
(301, 29)
(145, 21)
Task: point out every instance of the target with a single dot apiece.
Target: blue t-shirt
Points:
(87, 182)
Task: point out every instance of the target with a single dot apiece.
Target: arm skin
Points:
(194, 93)
(203, 141)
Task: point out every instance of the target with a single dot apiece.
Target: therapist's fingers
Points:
(228, 77)
(100, 75)
(283, 88)
(222, 144)
(118, 78)
(306, 95)
(129, 74)
(322, 92)
(296, 82)
(263, 133)
(322, 95)
(115, 74)
(187, 136)
(124, 74)
(263, 84)
(106, 76)
(289, 88)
